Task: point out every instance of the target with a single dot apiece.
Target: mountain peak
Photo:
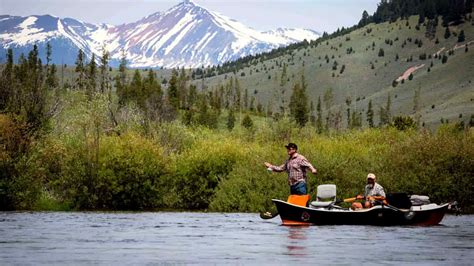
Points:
(185, 35)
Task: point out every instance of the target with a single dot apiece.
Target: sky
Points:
(319, 15)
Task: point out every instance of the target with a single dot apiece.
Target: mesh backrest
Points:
(326, 192)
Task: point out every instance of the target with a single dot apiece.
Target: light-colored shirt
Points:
(296, 168)
(377, 190)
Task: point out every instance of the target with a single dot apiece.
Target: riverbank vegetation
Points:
(113, 142)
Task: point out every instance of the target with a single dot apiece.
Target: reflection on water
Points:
(213, 238)
(297, 237)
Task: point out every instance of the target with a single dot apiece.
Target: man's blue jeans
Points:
(298, 189)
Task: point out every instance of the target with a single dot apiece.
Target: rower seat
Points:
(326, 196)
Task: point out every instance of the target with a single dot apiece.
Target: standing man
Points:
(295, 166)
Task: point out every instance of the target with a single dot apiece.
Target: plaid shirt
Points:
(296, 168)
(377, 190)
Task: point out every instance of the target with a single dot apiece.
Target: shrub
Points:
(199, 171)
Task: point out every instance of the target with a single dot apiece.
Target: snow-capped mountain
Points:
(185, 35)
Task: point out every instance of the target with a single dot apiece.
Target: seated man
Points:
(373, 191)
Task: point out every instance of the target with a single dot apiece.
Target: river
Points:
(216, 238)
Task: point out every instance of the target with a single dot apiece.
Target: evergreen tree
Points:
(151, 99)
(104, 75)
(182, 88)
(173, 96)
(48, 53)
(247, 122)
(447, 33)
(7, 82)
(381, 52)
(230, 120)
(80, 70)
(121, 80)
(51, 79)
(370, 115)
(364, 20)
(348, 110)
(91, 77)
(444, 59)
(319, 119)
(299, 103)
(461, 37)
(192, 97)
(136, 87)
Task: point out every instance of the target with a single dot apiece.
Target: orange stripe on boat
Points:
(290, 222)
(300, 200)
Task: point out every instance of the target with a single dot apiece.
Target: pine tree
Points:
(348, 103)
(230, 120)
(365, 19)
(104, 75)
(151, 100)
(182, 88)
(48, 53)
(192, 96)
(447, 33)
(136, 87)
(444, 59)
(381, 52)
(80, 70)
(319, 119)
(91, 77)
(370, 115)
(247, 122)
(461, 37)
(51, 79)
(299, 103)
(121, 80)
(173, 96)
(7, 82)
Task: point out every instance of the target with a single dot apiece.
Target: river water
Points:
(215, 238)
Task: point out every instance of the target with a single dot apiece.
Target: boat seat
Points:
(300, 200)
(321, 204)
(325, 197)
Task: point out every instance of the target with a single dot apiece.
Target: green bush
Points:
(130, 173)
(200, 169)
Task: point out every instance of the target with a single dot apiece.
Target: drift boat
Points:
(296, 212)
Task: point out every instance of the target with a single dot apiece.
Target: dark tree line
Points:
(451, 11)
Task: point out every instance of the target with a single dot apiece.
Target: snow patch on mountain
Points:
(185, 35)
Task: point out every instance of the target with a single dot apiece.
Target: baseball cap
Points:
(291, 146)
(370, 176)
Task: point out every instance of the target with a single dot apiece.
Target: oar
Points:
(268, 215)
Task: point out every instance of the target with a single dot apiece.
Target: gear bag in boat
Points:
(399, 200)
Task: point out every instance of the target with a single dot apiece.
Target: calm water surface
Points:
(203, 238)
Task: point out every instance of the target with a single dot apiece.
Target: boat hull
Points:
(379, 215)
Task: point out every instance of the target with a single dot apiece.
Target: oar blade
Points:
(268, 215)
